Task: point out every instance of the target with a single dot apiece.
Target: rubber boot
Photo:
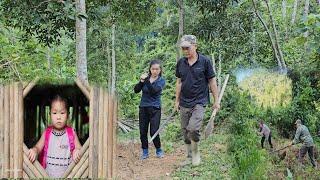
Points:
(195, 153)
(189, 155)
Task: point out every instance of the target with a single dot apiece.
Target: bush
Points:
(248, 159)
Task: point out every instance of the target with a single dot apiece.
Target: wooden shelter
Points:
(24, 114)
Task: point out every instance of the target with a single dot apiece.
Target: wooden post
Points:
(100, 134)
(93, 126)
(6, 160)
(18, 132)
(15, 129)
(106, 132)
(11, 130)
(110, 138)
(114, 135)
(1, 130)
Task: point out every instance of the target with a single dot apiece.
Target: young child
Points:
(59, 144)
(265, 132)
(150, 107)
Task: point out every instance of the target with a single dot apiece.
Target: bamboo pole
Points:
(93, 126)
(36, 163)
(35, 171)
(6, 160)
(85, 90)
(24, 84)
(11, 119)
(83, 150)
(17, 169)
(114, 139)
(82, 169)
(28, 88)
(25, 175)
(28, 171)
(110, 138)
(20, 130)
(91, 115)
(96, 137)
(106, 131)
(79, 165)
(1, 131)
(85, 174)
(100, 134)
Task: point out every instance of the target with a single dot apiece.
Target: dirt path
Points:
(130, 166)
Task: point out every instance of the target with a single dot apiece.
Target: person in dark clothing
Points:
(303, 136)
(151, 85)
(195, 76)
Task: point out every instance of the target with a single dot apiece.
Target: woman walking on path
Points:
(151, 85)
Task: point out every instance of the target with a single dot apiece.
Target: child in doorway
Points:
(150, 107)
(59, 144)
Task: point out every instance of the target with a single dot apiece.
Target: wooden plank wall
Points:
(11, 134)
(102, 125)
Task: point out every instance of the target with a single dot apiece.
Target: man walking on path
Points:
(303, 136)
(195, 75)
(265, 132)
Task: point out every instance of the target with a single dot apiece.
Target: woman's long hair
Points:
(155, 61)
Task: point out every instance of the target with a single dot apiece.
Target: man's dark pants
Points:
(303, 151)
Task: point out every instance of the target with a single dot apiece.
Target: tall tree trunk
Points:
(81, 44)
(305, 34)
(113, 79)
(269, 34)
(284, 17)
(168, 19)
(181, 26)
(253, 42)
(219, 72)
(294, 12)
(277, 42)
(305, 14)
(109, 64)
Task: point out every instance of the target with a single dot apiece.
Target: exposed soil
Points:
(129, 165)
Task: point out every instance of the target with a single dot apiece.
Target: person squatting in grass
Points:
(195, 74)
(59, 144)
(151, 85)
